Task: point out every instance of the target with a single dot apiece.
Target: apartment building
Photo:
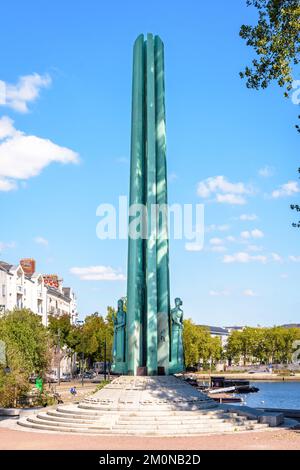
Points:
(22, 287)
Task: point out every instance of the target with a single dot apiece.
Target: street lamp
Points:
(82, 363)
(105, 358)
(58, 350)
(78, 323)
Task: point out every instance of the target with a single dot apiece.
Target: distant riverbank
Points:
(265, 377)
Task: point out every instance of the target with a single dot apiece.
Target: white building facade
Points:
(18, 289)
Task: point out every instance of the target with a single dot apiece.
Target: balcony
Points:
(39, 294)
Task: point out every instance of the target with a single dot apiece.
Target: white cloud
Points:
(6, 185)
(216, 241)
(193, 246)
(41, 241)
(256, 233)
(4, 246)
(98, 273)
(266, 171)
(243, 257)
(26, 90)
(276, 257)
(219, 293)
(254, 248)
(218, 248)
(224, 190)
(249, 293)
(217, 228)
(246, 234)
(234, 199)
(295, 259)
(287, 189)
(248, 217)
(25, 156)
(172, 177)
(230, 238)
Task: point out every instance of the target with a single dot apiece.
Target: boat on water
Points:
(223, 390)
(232, 385)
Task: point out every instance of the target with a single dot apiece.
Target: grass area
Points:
(101, 385)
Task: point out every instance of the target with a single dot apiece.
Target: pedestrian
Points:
(73, 391)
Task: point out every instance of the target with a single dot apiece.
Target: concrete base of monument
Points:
(159, 405)
(176, 368)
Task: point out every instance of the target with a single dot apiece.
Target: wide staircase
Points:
(143, 406)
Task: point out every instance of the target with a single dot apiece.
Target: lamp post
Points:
(82, 362)
(79, 323)
(58, 350)
(105, 358)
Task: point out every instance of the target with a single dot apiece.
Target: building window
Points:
(3, 290)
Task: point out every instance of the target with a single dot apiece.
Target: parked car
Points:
(88, 375)
(51, 378)
(97, 378)
(66, 378)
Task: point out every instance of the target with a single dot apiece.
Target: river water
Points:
(274, 395)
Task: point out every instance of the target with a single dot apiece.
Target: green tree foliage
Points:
(90, 338)
(60, 326)
(276, 41)
(27, 351)
(262, 345)
(199, 346)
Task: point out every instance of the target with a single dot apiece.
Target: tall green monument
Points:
(152, 332)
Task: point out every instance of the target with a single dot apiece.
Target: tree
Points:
(234, 346)
(276, 40)
(60, 325)
(94, 336)
(190, 343)
(109, 323)
(215, 349)
(262, 345)
(27, 350)
(199, 345)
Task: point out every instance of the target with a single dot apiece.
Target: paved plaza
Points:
(269, 440)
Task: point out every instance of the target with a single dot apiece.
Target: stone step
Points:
(58, 424)
(182, 423)
(145, 408)
(47, 427)
(67, 419)
(135, 421)
(142, 416)
(144, 413)
(81, 412)
(79, 416)
(176, 419)
(93, 430)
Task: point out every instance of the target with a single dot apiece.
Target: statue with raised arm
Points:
(119, 338)
(177, 363)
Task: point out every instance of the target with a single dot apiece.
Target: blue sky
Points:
(80, 100)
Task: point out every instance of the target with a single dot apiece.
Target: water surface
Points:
(274, 395)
